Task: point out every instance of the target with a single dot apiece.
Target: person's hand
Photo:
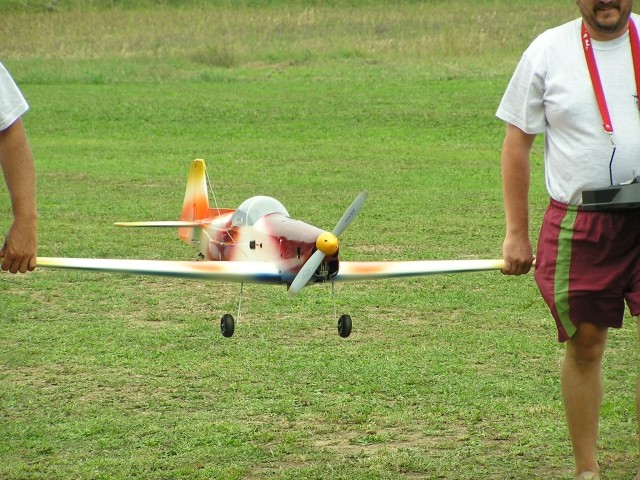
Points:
(517, 254)
(18, 254)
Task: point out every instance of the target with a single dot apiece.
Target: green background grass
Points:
(444, 377)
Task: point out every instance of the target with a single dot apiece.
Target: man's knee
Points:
(588, 344)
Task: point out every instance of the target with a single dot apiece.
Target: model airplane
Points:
(259, 242)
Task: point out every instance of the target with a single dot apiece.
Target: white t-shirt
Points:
(12, 104)
(551, 93)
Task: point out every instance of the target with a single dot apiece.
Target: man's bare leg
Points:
(582, 392)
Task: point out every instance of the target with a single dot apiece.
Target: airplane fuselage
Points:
(274, 238)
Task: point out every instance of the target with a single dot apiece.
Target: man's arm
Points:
(517, 251)
(18, 254)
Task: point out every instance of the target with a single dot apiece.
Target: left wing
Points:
(357, 271)
(241, 272)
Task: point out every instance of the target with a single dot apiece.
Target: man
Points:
(576, 84)
(18, 254)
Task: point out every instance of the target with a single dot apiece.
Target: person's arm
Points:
(18, 254)
(517, 251)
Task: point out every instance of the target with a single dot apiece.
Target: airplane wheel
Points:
(344, 326)
(227, 325)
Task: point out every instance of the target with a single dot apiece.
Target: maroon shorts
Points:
(587, 265)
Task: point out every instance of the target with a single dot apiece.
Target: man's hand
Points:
(19, 251)
(517, 254)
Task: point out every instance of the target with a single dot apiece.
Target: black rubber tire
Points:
(227, 325)
(344, 326)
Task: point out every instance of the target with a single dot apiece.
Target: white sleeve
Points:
(522, 104)
(12, 104)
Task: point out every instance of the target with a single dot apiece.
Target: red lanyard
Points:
(595, 76)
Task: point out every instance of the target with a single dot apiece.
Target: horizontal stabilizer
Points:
(159, 224)
(240, 272)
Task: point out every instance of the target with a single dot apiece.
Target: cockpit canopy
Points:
(254, 208)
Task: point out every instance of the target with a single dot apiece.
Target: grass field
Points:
(444, 377)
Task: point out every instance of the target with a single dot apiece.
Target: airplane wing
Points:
(160, 223)
(358, 271)
(241, 272)
(266, 272)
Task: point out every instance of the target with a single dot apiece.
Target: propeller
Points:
(326, 244)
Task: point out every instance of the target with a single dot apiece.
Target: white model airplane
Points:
(259, 242)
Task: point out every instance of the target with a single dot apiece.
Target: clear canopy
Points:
(255, 208)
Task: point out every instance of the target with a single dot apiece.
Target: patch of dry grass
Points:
(226, 36)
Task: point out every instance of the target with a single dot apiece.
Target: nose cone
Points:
(327, 243)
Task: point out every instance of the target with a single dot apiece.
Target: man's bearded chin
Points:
(608, 27)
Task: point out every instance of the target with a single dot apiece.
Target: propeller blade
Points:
(350, 214)
(306, 272)
(311, 265)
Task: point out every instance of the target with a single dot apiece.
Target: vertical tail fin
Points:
(196, 200)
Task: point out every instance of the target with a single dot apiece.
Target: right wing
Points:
(170, 223)
(240, 272)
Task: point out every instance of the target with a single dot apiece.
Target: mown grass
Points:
(456, 377)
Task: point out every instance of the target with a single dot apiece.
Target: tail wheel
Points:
(344, 326)
(227, 325)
